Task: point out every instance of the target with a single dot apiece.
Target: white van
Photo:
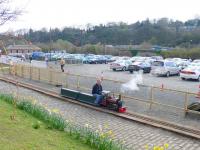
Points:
(164, 68)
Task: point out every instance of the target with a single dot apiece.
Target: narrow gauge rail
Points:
(184, 130)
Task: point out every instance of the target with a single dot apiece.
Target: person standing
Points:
(30, 58)
(46, 60)
(62, 64)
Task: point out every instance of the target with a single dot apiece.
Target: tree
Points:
(6, 13)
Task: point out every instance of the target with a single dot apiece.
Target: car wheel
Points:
(131, 71)
(183, 78)
(168, 74)
(124, 69)
(114, 69)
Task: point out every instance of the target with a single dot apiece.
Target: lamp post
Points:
(190, 43)
(50, 43)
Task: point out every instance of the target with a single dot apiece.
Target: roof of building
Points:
(23, 47)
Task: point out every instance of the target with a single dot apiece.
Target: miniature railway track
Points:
(180, 129)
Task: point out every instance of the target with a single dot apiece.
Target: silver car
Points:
(164, 68)
(120, 65)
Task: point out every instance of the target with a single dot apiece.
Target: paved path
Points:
(135, 135)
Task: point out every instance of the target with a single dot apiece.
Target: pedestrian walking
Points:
(62, 64)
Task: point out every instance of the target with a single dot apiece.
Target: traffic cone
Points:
(198, 94)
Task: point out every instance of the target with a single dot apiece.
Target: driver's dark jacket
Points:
(97, 89)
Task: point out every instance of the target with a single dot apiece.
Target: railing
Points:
(154, 95)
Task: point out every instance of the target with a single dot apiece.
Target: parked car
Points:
(101, 60)
(136, 66)
(183, 64)
(196, 61)
(120, 65)
(38, 55)
(157, 57)
(164, 68)
(90, 60)
(190, 73)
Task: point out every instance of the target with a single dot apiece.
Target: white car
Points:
(164, 68)
(196, 61)
(190, 73)
(194, 65)
(120, 65)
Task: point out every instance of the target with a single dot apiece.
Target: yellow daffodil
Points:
(110, 132)
(106, 126)
(155, 148)
(55, 110)
(166, 145)
(34, 102)
(146, 146)
(102, 135)
(86, 125)
(161, 148)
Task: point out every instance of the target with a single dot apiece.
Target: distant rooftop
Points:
(23, 47)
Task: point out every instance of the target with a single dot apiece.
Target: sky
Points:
(48, 14)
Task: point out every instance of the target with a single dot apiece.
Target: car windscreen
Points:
(158, 63)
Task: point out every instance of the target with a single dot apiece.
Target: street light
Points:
(190, 42)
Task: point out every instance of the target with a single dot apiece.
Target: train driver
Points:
(97, 92)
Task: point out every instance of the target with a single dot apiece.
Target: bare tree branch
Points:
(6, 13)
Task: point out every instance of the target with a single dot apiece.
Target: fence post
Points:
(30, 73)
(66, 80)
(151, 98)
(22, 71)
(15, 70)
(78, 82)
(39, 74)
(186, 102)
(50, 76)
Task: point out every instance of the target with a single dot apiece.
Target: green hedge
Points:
(182, 53)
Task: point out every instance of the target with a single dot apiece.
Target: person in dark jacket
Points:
(97, 92)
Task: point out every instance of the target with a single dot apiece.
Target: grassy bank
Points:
(21, 134)
(52, 122)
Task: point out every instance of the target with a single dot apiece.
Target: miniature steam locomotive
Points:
(110, 102)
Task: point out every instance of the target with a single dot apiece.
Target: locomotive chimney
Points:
(120, 97)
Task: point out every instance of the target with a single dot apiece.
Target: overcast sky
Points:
(61, 13)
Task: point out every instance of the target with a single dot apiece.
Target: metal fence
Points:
(147, 98)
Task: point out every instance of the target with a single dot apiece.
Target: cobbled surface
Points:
(135, 135)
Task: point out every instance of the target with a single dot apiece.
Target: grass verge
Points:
(21, 134)
(98, 140)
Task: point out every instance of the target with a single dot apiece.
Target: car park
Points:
(120, 65)
(164, 68)
(137, 66)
